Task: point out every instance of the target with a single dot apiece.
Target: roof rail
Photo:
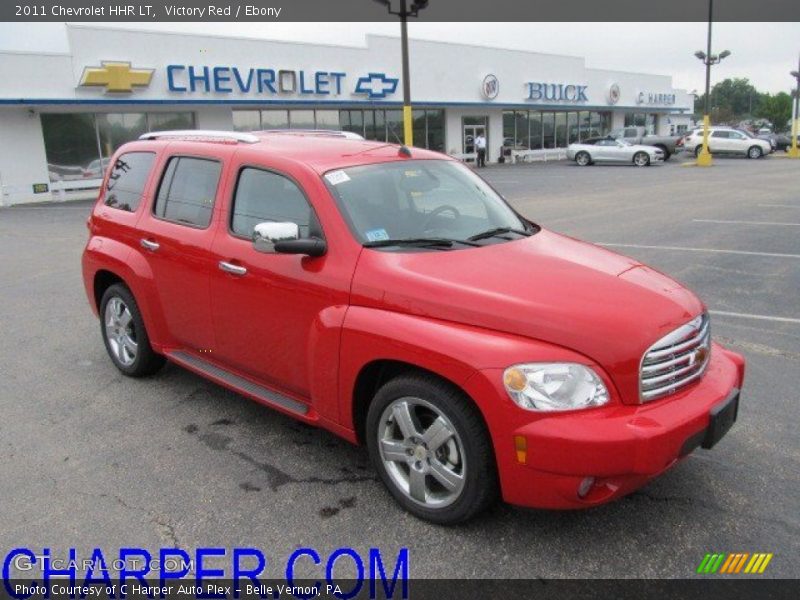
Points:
(247, 138)
(350, 135)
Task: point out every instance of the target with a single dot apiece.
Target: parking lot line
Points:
(686, 249)
(744, 222)
(724, 313)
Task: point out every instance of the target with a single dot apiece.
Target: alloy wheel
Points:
(120, 331)
(422, 452)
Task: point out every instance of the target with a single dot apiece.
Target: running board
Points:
(238, 383)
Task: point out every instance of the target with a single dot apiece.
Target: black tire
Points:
(698, 149)
(582, 159)
(754, 152)
(146, 361)
(666, 152)
(637, 157)
(480, 485)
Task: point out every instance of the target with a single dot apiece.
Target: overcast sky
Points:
(762, 52)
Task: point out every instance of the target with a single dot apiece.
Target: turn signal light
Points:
(521, 446)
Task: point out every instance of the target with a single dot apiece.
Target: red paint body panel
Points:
(307, 327)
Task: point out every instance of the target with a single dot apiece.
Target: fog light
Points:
(585, 486)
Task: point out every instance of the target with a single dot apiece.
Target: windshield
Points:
(421, 199)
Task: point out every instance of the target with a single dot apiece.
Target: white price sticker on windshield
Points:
(337, 177)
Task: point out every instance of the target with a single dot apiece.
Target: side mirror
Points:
(284, 238)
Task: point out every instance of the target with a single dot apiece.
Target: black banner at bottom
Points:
(437, 589)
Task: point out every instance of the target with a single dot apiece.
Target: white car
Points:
(609, 150)
(726, 140)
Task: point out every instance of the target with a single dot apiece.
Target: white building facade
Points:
(63, 115)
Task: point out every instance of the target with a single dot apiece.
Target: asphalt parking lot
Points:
(89, 458)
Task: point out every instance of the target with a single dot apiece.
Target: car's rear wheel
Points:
(583, 159)
(641, 159)
(124, 334)
(754, 152)
(698, 149)
(430, 446)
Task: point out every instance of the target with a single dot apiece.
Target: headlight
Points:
(554, 386)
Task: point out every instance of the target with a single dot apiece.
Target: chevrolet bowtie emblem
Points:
(116, 77)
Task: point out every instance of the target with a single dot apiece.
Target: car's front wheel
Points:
(754, 152)
(583, 159)
(430, 446)
(124, 334)
(641, 159)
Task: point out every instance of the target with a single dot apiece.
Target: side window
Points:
(127, 180)
(737, 136)
(266, 196)
(187, 190)
(720, 134)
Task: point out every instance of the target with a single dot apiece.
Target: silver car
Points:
(609, 150)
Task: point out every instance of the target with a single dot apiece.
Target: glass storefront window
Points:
(435, 120)
(535, 131)
(274, 119)
(419, 127)
(548, 130)
(301, 119)
(394, 126)
(246, 120)
(70, 142)
(584, 118)
(114, 129)
(78, 146)
(170, 120)
(509, 126)
(327, 119)
(352, 120)
(572, 127)
(561, 130)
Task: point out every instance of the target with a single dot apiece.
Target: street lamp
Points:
(708, 59)
(795, 152)
(404, 12)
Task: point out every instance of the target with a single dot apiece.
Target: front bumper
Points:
(620, 446)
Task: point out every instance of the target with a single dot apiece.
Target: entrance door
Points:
(473, 127)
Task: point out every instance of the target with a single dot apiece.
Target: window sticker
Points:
(376, 235)
(337, 177)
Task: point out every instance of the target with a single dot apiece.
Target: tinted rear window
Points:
(187, 190)
(127, 179)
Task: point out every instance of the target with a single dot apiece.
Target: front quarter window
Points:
(420, 199)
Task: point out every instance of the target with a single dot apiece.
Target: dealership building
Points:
(62, 115)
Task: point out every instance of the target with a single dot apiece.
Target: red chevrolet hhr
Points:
(391, 296)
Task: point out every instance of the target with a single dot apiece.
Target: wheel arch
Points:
(375, 374)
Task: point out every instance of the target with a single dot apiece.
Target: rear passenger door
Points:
(176, 235)
(719, 142)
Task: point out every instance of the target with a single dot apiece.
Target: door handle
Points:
(150, 244)
(232, 269)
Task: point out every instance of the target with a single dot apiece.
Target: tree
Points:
(735, 97)
(776, 109)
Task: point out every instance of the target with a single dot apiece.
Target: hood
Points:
(546, 287)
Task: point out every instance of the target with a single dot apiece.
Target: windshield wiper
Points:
(421, 242)
(495, 232)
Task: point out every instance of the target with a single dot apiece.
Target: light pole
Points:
(404, 12)
(795, 152)
(708, 59)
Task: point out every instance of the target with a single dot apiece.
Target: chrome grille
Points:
(676, 359)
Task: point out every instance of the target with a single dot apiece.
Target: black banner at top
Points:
(378, 10)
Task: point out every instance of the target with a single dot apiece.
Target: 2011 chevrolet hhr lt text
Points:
(392, 297)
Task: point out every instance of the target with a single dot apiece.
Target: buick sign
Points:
(490, 87)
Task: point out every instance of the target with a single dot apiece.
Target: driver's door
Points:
(265, 305)
(605, 150)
